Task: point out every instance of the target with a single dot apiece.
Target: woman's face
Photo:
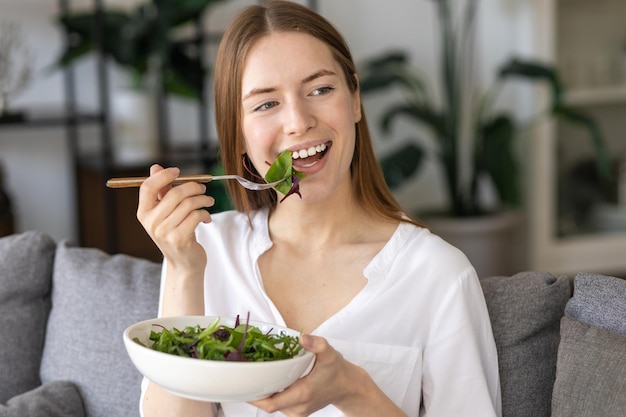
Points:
(295, 96)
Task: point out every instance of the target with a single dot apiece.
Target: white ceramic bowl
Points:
(208, 380)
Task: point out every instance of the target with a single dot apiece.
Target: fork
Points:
(250, 185)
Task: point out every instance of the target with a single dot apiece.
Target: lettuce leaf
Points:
(282, 169)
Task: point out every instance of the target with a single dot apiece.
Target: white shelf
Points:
(598, 96)
(603, 254)
(583, 30)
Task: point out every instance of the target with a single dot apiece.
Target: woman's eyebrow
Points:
(318, 74)
(308, 79)
(257, 91)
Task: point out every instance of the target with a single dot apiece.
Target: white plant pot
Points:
(493, 243)
(134, 118)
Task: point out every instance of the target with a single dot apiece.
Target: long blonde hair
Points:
(253, 23)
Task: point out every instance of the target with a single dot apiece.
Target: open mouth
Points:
(305, 158)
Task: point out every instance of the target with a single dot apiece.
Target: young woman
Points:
(395, 316)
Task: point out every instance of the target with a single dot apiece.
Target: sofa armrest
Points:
(25, 274)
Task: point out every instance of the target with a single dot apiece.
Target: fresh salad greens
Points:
(282, 169)
(241, 343)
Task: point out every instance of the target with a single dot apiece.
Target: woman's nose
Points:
(299, 118)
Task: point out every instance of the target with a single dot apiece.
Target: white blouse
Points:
(419, 327)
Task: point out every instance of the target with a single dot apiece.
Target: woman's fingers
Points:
(182, 209)
(156, 186)
(171, 213)
(313, 391)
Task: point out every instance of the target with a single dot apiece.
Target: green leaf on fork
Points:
(282, 169)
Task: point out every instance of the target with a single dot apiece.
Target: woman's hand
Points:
(170, 215)
(333, 380)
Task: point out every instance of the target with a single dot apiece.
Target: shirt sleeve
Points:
(144, 381)
(460, 369)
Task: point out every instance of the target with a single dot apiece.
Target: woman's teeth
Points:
(304, 153)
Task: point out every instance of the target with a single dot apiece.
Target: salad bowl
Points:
(212, 380)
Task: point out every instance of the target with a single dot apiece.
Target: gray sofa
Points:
(63, 310)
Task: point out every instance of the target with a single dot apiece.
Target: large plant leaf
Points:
(74, 52)
(83, 24)
(183, 74)
(422, 114)
(386, 59)
(147, 37)
(580, 118)
(495, 157)
(402, 164)
(537, 71)
(534, 71)
(80, 32)
(393, 69)
(174, 84)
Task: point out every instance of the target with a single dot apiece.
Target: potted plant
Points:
(475, 141)
(145, 42)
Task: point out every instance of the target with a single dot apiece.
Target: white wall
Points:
(36, 162)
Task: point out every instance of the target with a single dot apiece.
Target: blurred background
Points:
(81, 103)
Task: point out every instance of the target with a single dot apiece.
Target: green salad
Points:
(241, 343)
(282, 169)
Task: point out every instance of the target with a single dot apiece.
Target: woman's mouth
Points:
(307, 157)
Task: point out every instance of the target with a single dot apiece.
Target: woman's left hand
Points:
(331, 379)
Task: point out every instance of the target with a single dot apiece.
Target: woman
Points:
(395, 316)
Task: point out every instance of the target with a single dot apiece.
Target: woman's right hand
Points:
(170, 216)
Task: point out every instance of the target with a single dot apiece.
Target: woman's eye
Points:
(322, 90)
(266, 106)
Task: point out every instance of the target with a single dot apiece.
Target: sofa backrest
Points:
(25, 270)
(525, 311)
(95, 297)
(96, 294)
(65, 309)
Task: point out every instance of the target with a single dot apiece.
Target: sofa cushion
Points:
(56, 399)
(95, 296)
(591, 372)
(25, 274)
(599, 301)
(525, 311)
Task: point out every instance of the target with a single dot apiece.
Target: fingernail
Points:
(305, 340)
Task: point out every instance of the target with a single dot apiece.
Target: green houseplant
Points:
(465, 117)
(144, 42)
(149, 42)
